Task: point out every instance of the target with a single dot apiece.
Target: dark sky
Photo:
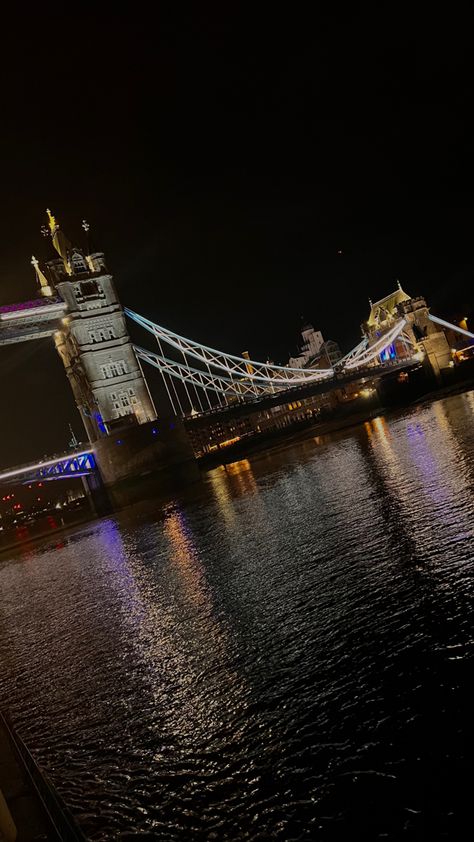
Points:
(223, 161)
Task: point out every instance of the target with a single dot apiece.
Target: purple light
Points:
(28, 305)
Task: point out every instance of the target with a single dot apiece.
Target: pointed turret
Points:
(45, 288)
(60, 242)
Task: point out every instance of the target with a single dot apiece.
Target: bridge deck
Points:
(298, 392)
(68, 466)
(30, 320)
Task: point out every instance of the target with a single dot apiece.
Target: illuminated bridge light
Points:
(70, 466)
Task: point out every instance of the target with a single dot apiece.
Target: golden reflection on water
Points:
(382, 442)
(185, 559)
(242, 472)
(230, 481)
(221, 491)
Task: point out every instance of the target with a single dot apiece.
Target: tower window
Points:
(103, 334)
(79, 264)
(106, 333)
(89, 289)
(114, 369)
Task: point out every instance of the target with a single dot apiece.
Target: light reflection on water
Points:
(280, 654)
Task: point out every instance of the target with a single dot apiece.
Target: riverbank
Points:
(41, 532)
(24, 539)
(30, 809)
(342, 419)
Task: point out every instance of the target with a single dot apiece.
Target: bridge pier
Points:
(96, 494)
(145, 460)
(425, 334)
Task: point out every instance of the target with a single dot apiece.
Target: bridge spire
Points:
(60, 241)
(43, 281)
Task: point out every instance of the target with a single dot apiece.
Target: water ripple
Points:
(284, 655)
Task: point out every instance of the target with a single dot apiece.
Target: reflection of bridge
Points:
(79, 308)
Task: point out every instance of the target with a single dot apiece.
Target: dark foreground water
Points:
(284, 654)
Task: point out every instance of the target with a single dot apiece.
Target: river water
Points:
(282, 653)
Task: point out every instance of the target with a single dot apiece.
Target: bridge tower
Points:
(426, 334)
(106, 378)
(93, 341)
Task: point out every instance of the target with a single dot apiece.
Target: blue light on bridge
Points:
(100, 422)
(62, 467)
(388, 353)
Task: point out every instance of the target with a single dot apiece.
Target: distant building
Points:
(329, 355)
(315, 352)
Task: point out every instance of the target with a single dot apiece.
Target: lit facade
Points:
(315, 352)
(93, 341)
(419, 335)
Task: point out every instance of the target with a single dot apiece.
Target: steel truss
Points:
(233, 366)
(195, 377)
(207, 373)
(64, 467)
(368, 354)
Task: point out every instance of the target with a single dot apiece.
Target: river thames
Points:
(281, 653)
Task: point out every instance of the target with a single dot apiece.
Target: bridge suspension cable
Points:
(456, 328)
(252, 370)
(370, 353)
(219, 384)
(209, 374)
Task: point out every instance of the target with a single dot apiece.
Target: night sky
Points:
(223, 163)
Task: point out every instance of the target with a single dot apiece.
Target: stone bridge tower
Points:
(426, 334)
(106, 378)
(93, 341)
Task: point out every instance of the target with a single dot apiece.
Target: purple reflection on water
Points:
(427, 464)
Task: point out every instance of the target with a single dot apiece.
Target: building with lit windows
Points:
(315, 352)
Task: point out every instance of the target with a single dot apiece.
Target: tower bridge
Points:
(78, 307)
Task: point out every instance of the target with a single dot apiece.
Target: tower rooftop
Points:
(386, 306)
